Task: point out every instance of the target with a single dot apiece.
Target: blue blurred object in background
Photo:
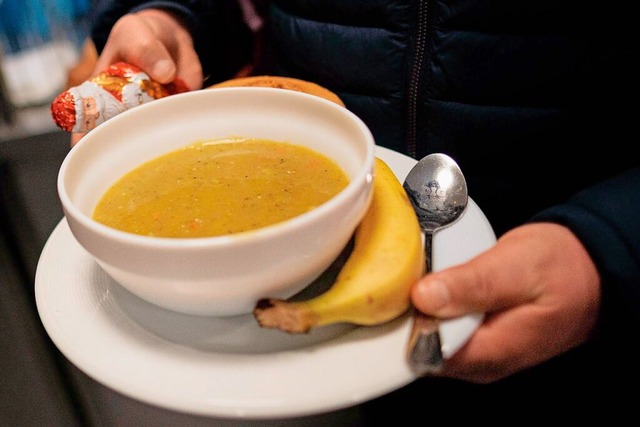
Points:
(40, 40)
(26, 24)
(23, 25)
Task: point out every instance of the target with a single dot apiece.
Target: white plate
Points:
(230, 367)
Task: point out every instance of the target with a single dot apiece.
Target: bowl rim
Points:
(364, 176)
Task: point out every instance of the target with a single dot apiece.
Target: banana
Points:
(373, 286)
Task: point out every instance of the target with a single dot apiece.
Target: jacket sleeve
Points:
(222, 39)
(606, 218)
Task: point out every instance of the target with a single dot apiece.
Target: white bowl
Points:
(226, 275)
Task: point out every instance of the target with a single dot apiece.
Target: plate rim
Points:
(158, 397)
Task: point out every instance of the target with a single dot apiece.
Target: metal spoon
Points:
(438, 191)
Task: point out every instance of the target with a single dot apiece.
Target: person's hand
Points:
(541, 294)
(155, 41)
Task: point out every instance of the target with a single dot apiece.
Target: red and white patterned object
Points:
(120, 87)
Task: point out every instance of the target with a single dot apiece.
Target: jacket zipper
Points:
(414, 78)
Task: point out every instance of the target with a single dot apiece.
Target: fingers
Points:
(508, 342)
(540, 293)
(76, 137)
(145, 53)
(182, 60)
(523, 266)
(156, 42)
(483, 284)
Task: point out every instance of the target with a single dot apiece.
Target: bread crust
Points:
(282, 83)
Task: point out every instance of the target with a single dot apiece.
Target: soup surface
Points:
(211, 188)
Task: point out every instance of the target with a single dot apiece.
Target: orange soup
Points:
(212, 188)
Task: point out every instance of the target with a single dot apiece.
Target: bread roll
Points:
(282, 83)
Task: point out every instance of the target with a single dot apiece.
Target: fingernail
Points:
(163, 70)
(435, 294)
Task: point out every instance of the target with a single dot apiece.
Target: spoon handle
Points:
(424, 350)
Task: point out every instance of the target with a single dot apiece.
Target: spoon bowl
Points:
(438, 192)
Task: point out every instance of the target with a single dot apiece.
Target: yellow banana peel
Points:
(374, 284)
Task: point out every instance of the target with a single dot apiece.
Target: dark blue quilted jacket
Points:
(536, 100)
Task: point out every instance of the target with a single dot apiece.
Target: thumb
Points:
(496, 278)
(76, 137)
(449, 293)
(162, 70)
